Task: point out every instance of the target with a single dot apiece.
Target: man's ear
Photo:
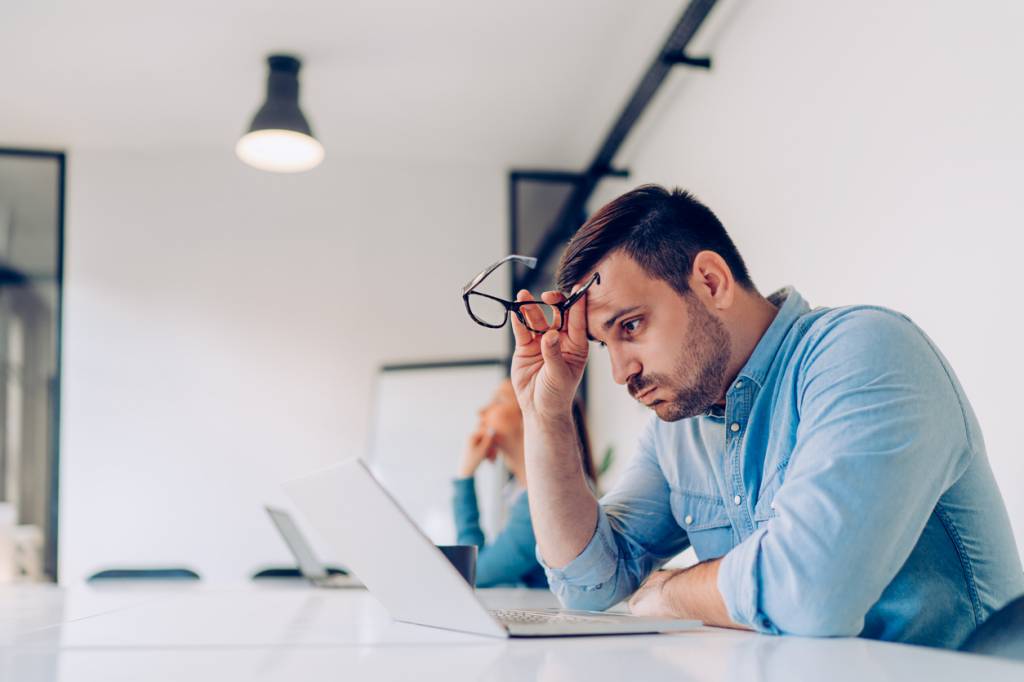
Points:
(712, 280)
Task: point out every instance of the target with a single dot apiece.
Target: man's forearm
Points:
(562, 507)
(693, 593)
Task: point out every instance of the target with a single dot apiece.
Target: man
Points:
(825, 464)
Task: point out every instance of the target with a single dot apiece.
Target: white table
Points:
(293, 632)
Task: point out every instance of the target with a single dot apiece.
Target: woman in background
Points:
(510, 558)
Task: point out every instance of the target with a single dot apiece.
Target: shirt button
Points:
(735, 427)
(739, 384)
(737, 500)
(688, 520)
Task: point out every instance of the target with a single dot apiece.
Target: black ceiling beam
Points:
(672, 53)
(569, 177)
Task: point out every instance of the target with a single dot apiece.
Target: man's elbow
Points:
(596, 596)
(590, 598)
(810, 616)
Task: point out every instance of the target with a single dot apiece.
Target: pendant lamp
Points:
(280, 139)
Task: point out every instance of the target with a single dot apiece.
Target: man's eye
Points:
(631, 325)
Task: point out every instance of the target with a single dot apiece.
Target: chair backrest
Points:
(277, 573)
(281, 572)
(167, 573)
(1002, 634)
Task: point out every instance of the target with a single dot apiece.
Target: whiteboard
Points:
(422, 416)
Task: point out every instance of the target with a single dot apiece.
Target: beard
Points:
(699, 376)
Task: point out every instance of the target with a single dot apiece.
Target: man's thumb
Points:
(550, 349)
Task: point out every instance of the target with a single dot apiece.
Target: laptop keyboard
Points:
(524, 617)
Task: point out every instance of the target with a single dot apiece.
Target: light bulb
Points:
(281, 151)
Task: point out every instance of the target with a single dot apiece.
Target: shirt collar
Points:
(791, 307)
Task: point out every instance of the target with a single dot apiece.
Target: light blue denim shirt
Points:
(845, 483)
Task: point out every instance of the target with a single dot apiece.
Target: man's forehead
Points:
(607, 301)
(602, 295)
(621, 278)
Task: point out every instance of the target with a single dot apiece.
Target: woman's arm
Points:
(511, 555)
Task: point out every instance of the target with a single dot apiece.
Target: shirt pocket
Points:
(764, 512)
(706, 524)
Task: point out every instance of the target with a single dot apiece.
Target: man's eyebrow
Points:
(607, 324)
(624, 311)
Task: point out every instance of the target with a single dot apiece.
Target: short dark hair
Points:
(662, 230)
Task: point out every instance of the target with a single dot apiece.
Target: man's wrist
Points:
(553, 424)
(693, 593)
(670, 595)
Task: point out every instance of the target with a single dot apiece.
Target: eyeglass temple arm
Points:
(575, 296)
(528, 261)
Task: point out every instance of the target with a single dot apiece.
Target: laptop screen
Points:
(309, 565)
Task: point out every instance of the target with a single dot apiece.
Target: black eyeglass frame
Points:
(516, 306)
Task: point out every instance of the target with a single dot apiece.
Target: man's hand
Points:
(547, 367)
(691, 594)
(650, 600)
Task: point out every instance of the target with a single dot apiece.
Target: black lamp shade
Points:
(280, 138)
(281, 110)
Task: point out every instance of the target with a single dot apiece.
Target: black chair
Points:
(291, 572)
(168, 573)
(1002, 634)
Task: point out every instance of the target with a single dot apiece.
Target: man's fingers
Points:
(576, 316)
(554, 298)
(554, 363)
(523, 335)
(534, 317)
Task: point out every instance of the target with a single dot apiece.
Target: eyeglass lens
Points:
(541, 317)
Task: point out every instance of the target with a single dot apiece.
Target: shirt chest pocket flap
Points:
(705, 522)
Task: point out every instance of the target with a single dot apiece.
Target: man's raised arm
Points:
(546, 371)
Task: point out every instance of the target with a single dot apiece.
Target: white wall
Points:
(865, 153)
(222, 327)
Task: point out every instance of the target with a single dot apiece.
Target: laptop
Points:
(412, 578)
(309, 566)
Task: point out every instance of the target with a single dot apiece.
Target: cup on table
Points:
(463, 558)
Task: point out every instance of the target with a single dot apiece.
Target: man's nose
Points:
(623, 368)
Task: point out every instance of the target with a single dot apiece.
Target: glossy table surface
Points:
(291, 631)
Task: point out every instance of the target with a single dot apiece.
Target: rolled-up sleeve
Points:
(882, 435)
(635, 534)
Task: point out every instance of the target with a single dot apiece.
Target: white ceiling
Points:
(515, 82)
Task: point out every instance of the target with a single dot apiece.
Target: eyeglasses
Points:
(491, 311)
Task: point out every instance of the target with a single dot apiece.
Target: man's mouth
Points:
(641, 396)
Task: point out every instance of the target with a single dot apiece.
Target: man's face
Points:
(668, 349)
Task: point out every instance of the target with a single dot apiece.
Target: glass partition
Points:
(31, 244)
